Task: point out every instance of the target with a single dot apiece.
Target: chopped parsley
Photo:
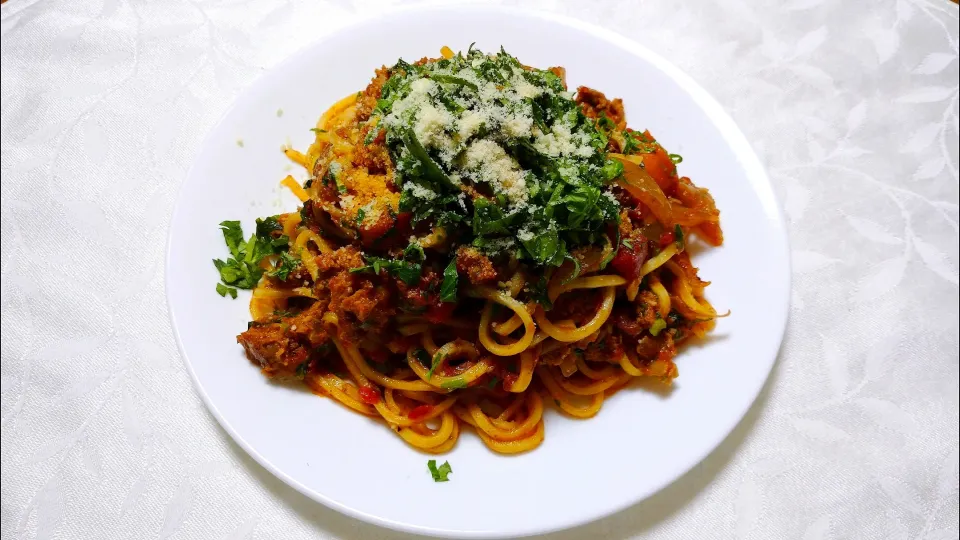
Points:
(286, 265)
(302, 370)
(242, 269)
(448, 289)
(441, 473)
(414, 252)
(678, 236)
(437, 359)
(613, 252)
(422, 357)
(456, 80)
(223, 290)
(676, 158)
(605, 123)
(576, 269)
(408, 272)
(634, 144)
(539, 293)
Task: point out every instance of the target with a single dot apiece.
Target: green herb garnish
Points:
(437, 358)
(414, 252)
(286, 265)
(448, 289)
(576, 269)
(223, 290)
(406, 271)
(441, 473)
(539, 293)
(422, 357)
(455, 80)
(242, 269)
(302, 370)
(634, 145)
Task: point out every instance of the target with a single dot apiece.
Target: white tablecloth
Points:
(852, 105)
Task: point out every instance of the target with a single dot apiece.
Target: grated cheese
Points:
(431, 126)
(470, 123)
(518, 126)
(419, 191)
(524, 89)
(497, 168)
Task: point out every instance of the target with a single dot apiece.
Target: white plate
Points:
(585, 469)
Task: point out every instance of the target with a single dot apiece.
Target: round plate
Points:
(585, 469)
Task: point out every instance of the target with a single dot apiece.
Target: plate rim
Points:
(732, 134)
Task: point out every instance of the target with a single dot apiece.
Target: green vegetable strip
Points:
(441, 473)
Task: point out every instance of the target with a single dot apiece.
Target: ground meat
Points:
(298, 276)
(277, 354)
(662, 347)
(626, 225)
(374, 229)
(373, 156)
(593, 102)
(475, 265)
(636, 318)
(357, 297)
(326, 188)
(419, 297)
(578, 306)
(631, 234)
(281, 346)
(608, 349)
(368, 99)
(362, 301)
(564, 358)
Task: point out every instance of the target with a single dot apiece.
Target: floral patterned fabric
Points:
(852, 106)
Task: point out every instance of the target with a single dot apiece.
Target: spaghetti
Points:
(475, 242)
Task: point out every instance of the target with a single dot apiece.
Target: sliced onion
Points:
(643, 187)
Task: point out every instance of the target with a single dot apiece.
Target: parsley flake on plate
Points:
(242, 270)
(440, 473)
